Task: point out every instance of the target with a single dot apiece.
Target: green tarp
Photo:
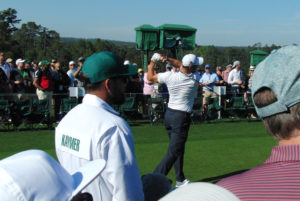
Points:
(165, 36)
(257, 56)
(170, 34)
(147, 37)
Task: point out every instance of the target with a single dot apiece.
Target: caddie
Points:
(182, 86)
(94, 130)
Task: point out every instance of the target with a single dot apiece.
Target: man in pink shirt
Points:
(277, 102)
(226, 72)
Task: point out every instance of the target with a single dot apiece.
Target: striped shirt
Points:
(277, 179)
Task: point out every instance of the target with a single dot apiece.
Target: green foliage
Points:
(8, 19)
(35, 42)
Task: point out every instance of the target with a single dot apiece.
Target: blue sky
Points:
(218, 22)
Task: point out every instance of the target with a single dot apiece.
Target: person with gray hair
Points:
(277, 102)
(226, 72)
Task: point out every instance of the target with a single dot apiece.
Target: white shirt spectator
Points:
(235, 76)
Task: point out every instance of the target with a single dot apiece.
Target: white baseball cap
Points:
(126, 62)
(72, 63)
(34, 175)
(236, 63)
(229, 65)
(19, 60)
(191, 59)
(200, 191)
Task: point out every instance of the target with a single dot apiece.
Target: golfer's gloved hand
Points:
(155, 57)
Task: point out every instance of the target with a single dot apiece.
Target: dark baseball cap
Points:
(207, 66)
(103, 65)
(27, 61)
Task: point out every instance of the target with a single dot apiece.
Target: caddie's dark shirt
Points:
(17, 75)
(3, 82)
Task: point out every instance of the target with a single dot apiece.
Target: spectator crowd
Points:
(25, 79)
(22, 78)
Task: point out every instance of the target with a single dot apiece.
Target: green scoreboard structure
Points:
(257, 56)
(167, 36)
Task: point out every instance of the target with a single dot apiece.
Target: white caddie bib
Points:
(76, 144)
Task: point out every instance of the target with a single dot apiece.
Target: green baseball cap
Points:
(103, 65)
(27, 61)
(45, 63)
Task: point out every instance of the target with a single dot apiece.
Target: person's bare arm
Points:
(174, 62)
(35, 83)
(75, 74)
(151, 76)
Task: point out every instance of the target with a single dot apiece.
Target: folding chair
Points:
(4, 114)
(213, 108)
(238, 107)
(40, 114)
(67, 104)
(20, 112)
(251, 108)
(127, 109)
(156, 109)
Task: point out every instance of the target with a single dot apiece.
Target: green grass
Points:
(211, 150)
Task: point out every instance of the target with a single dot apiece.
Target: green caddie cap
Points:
(27, 61)
(45, 63)
(103, 65)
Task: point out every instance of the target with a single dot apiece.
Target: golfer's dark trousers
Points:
(177, 124)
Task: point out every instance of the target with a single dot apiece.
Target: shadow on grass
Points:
(218, 178)
(26, 128)
(142, 122)
(225, 120)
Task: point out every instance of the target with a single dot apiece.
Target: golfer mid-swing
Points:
(182, 87)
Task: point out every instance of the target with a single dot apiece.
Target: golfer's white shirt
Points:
(94, 130)
(182, 89)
